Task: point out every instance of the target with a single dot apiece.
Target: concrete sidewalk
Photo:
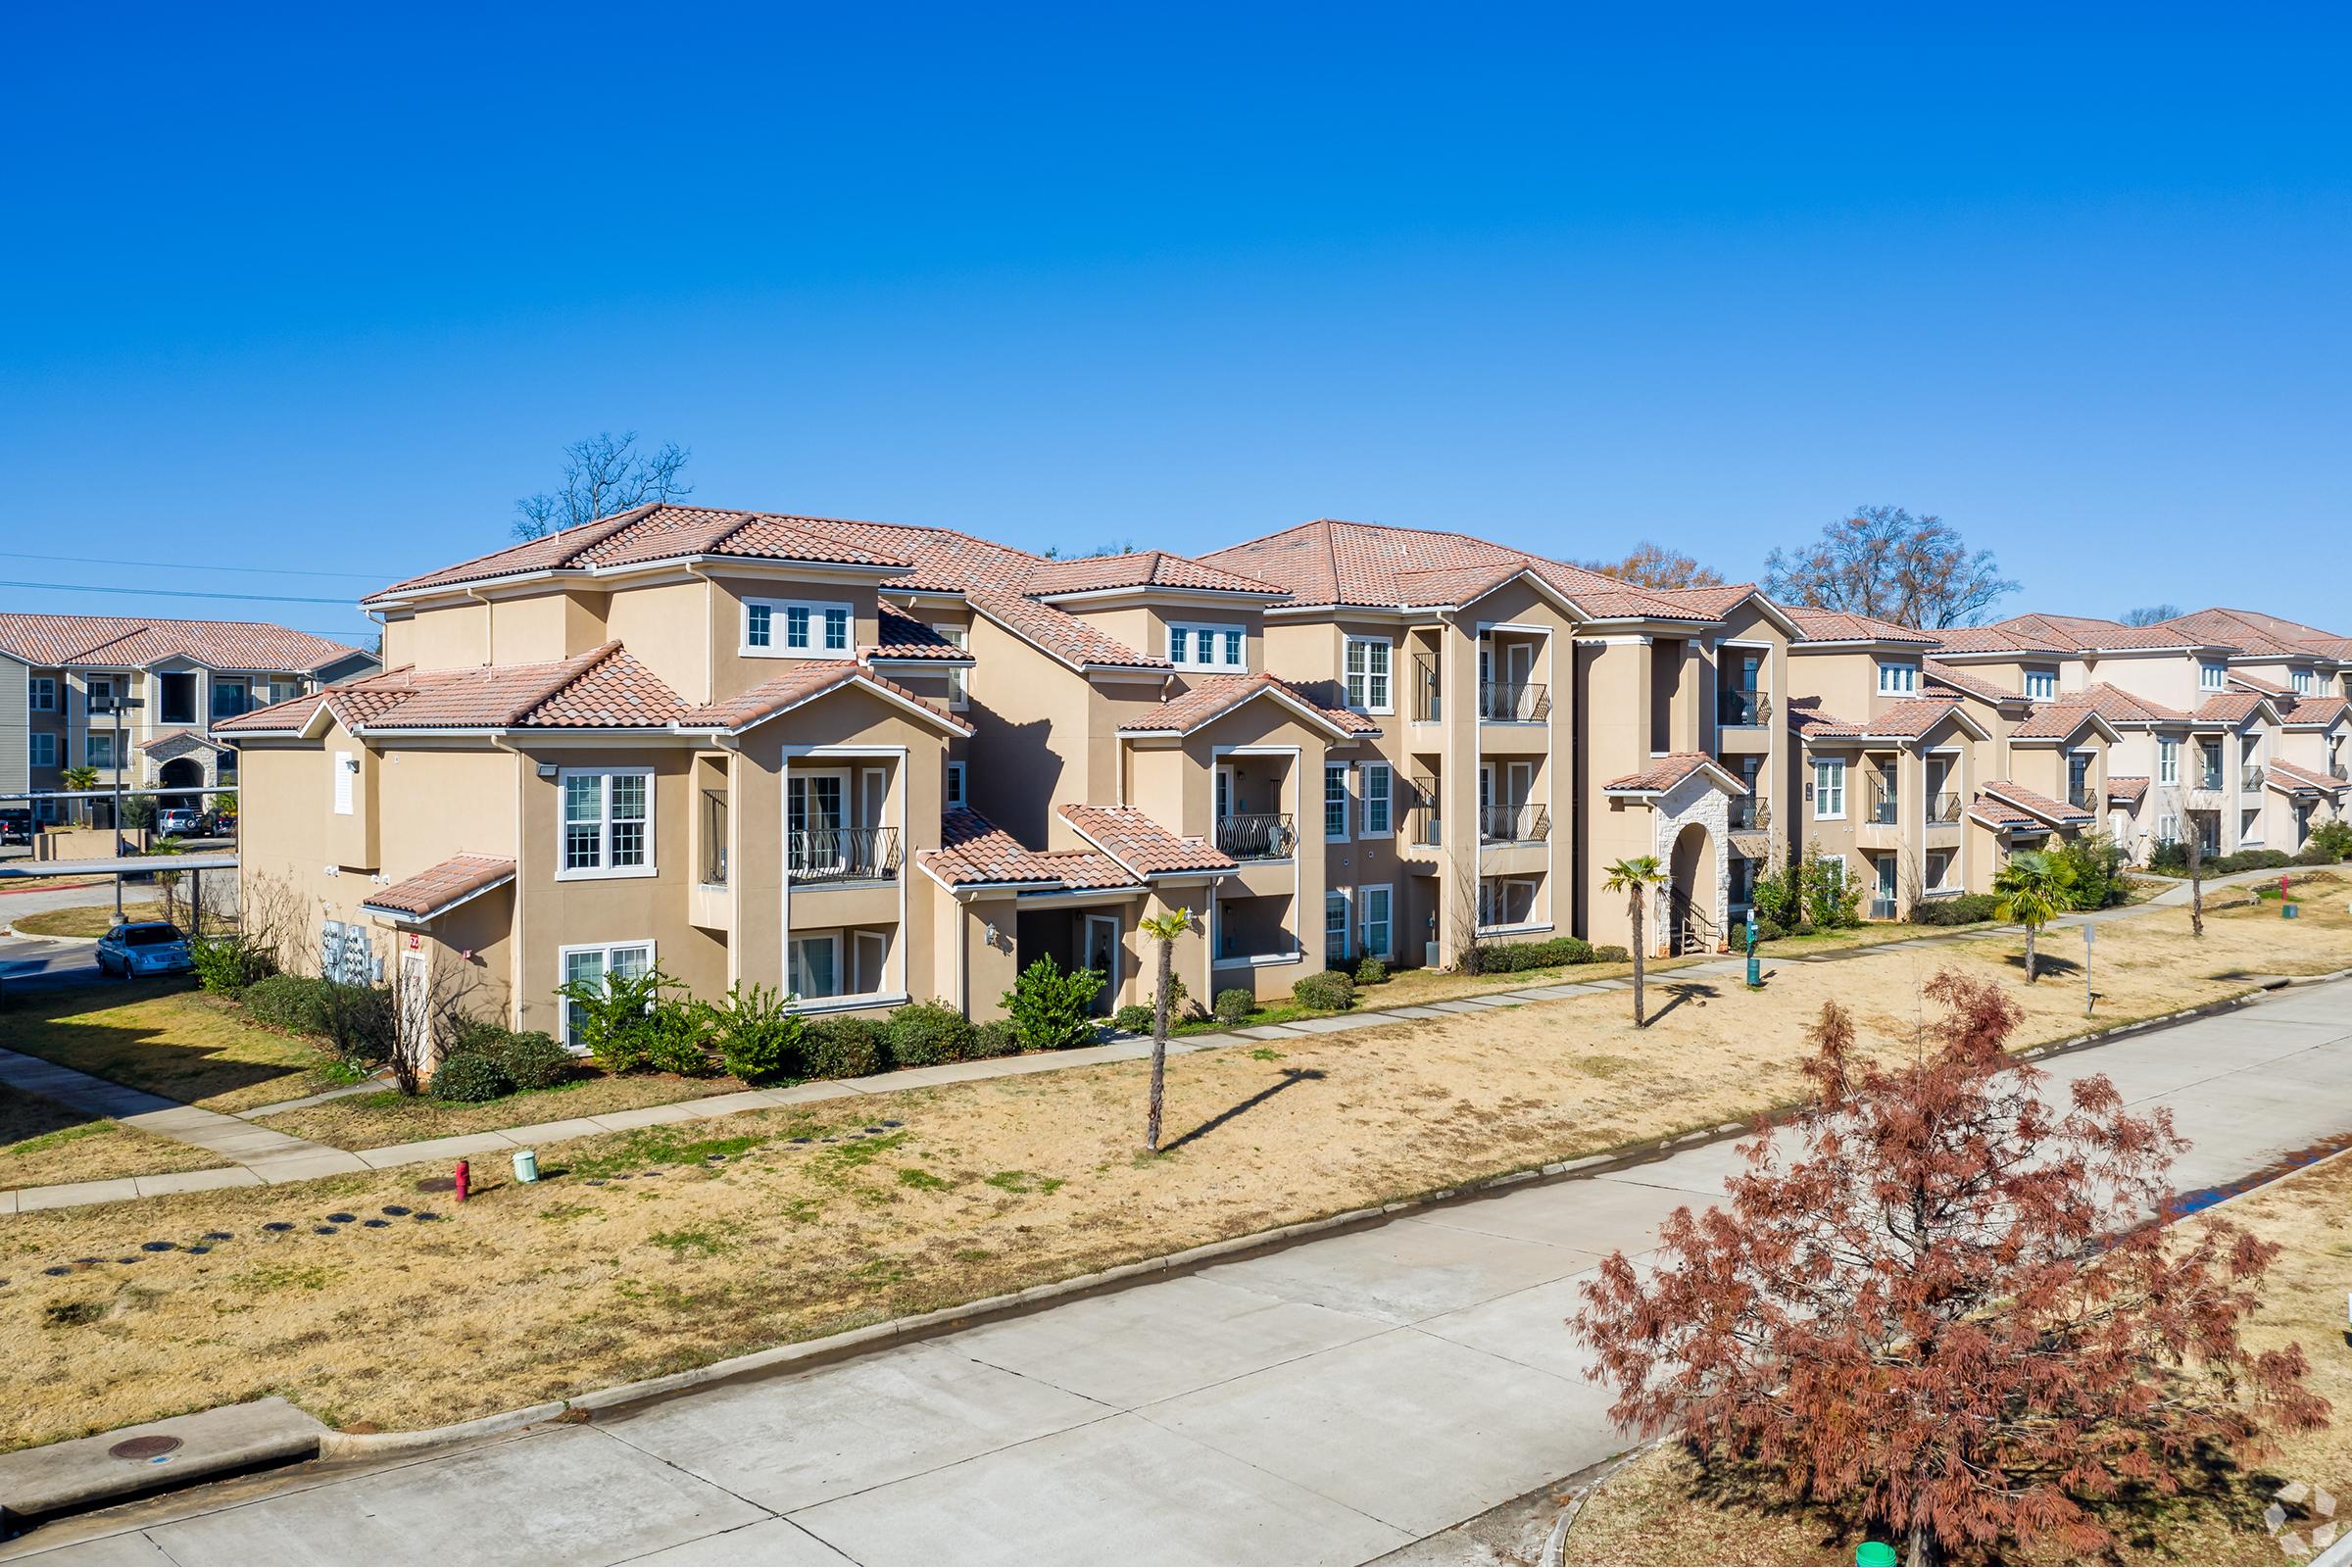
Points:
(1326, 1402)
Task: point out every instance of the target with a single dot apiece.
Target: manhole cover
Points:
(154, 1447)
(438, 1184)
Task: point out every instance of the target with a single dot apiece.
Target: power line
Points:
(189, 565)
(173, 593)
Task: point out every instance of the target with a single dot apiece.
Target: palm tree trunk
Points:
(1640, 953)
(2031, 973)
(1159, 1043)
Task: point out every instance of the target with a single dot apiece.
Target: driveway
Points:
(1325, 1403)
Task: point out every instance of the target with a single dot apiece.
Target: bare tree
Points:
(2149, 614)
(603, 473)
(1883, 562)
(2195, 846)
(1654, 565)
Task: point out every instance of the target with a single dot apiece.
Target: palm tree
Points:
(1634, 878)
(2035, 888)
(1163, 929)
(81, 778)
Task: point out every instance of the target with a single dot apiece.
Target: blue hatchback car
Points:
(144, 946)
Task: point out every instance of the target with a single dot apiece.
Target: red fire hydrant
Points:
(464, 1176)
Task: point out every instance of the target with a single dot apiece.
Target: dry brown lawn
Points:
(169, 1039)
(372, 1120)
(87, 919)
(534, 1293)
(1665, 1507)
(42, 1141)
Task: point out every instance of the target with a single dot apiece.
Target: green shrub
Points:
(228, 965)
(1509, 957)
(2332, 839)
(678, 1040)
(1611, 954)
(1372, 971)
(1768, 929)
(532, 1059)
(1961, 908)
(287, 1002)
(1833, 893)
(2248, 861)
(1328, 992)
(470, 1076)
(615, 1017)
(925, 1034)
(2096, 862)
(1780, 898)
(2169, 857)
(1053, 1010)
(1234, 1005)
(995, 1038)
(2313, 855)
(359, 1023)
(844, 1047)
(1137, 1019)
(757, 1034)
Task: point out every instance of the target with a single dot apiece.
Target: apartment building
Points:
(61, 676)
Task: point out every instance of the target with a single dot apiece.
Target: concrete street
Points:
(1329, 1403)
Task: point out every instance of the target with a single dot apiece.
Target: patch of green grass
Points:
(1265, 1054)
(558, 1213)
(922, 1181)
(660, 1146)
(838, 1163)
(268, 1278)
(60, 1137)
(973, 1254)
(73, 1314)
(698, 1240)
(1021, 1182)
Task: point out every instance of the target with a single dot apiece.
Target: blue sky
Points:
(328, 292)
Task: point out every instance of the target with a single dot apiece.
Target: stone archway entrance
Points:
(182, 773)
(1690, 886)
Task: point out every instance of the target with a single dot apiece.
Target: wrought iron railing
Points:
(1747, 812)
(842, 854)
(715, 838)
(1258, 834)
(2251, 779)
(1884, 807)
(1944, 807)
(1739, 705)
(1514, 701)
(1428, 708)
(1422, 823)
(1514, 824)
(2082, 796)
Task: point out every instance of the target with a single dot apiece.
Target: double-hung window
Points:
(1374, 921)
(1335, 925)
(2306, 682)
(2212, 678)
(795, 629)
(40, 693)
(1829, 788)
(1379, 792)
(1367, 669)
(1218, 647)
(607, 821)
(1335, 801)
(957, 637)
(2041, 684)
(44, 749)
(2168, 761)
(98, 750)
(594, 967)
(1899, 680)
(955, 799)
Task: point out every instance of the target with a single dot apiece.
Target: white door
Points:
(416, 1012)
(1519, 661)
(1378, 942)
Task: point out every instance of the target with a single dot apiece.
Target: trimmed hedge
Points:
(1508, 957)
(294, 1002)
(1612, 954)
(995, 1038)
(1136, 1018)
(926, 1034)
(1329, 992)
(844, 1047)
(1234, 1005)
(471, 1077)
(1965, 908)
(1372, 971)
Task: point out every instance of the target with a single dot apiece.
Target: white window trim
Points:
(2212, 678)
(2168, 762)
(602, 871)
(1388, 801)
(1220, 631)
(1363, 920)
(958, 786)
(40, 693)
(1898, 681)
(1839, 763)
(1389, 674)
(958, 677)
(1345, 928)
(831, 938)
(605, 950)
(41, 749)
(2041, 684)
(777, 611)
(1346, 805)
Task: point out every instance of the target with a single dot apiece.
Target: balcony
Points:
(1740, 706)
(715, 839)
(2083, 798)
(1884, 808)
(2249, 782)
(1514, 701)
(1747, 813)
(1514, 824)
(1428, 707)
(1258, 834)
(842, 854)
(1945, 808)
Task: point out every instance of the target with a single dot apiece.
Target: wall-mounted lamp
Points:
(547, 770)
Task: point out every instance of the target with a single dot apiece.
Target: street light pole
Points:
(116, 705)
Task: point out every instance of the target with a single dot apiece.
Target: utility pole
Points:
(116, 705)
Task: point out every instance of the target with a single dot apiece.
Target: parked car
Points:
(217, 825)
(177, 822)
(16, 824)
(145, 947)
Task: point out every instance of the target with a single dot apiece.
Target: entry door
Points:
(416, 1015)
(1378, 940)
(1886, 879)
(1103, 956)
(1519, 663)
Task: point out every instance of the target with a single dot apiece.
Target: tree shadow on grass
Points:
(137, 1034)
(1287, 1077)
(2047, 966)
(1680, 992)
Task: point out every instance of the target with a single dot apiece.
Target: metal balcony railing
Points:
(1742, 706)
(842, 854)
(1514, 824)
(2339, 771)
(2082, 796)
(1944, 805)
(2251, 779)
(1427, 707)
(1884, 808)
(1258, 834)
(1514, 701)
(715, 838)
(2208, 779)
(1747, 812)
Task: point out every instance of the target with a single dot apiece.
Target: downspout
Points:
(514, 964)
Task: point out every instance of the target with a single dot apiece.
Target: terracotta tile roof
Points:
(2303, 779)
(2255, 683)
(604, 688)
(2314, 709)
(1376, 566)
(1063, 635)
(2119, 707)
(2055, 812)
(899, 636)
(2229, 708)
(2126, 788)
(657, 533)
(2250, 630)
(1211, 697)
(1143, 568)
(1665, 772)
(2054, 720)
(136, 642)
(2004, 638)
(1906, 720)
(805, 683)
(1140, 845)
(1842, 625)
(1959, 680)
(976, 851)
(442, 887)
(2090, 633)
(178, 737)
(1998, 813)
(1806, 719)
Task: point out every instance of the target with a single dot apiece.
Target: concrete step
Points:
(65, 1478)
